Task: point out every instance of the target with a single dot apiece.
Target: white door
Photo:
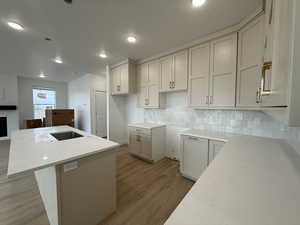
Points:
(166, 76)
(251, 41)
(223, 71)
(195, 156)
(100, 108)
(180, 75)
(199, 76)
(214, 148)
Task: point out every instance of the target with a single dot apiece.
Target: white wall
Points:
(9, 96)
(81, 99)
(25, 95)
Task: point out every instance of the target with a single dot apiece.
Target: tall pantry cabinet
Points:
(212, 79)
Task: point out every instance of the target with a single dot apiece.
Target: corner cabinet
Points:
(196, 155)
(123, 78)
(212, 79)
(174, 72)
(148, 85)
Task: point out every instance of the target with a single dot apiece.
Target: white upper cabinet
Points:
(223, 72)
(166, 77)
(153, 73)
(174, 72)
(180, 70)
(213, 73)
(123, 79)
(199, 76)
(278, 53)
(148, 85)
(250, 58)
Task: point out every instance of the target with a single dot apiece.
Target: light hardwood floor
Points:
(147, 193)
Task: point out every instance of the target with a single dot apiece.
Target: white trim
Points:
(108, 89)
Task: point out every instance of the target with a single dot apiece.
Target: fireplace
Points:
(3, 127)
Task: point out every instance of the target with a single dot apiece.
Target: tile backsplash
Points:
(178, 116)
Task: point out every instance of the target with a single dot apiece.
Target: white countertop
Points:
(212, 135)
(253, 181)
(34, 149)
(146, 125)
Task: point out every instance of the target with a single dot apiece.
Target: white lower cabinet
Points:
(194, 157)
(147, 143)
(214, 148)
(196, 154)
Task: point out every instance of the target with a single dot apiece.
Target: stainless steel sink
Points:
(66, 135)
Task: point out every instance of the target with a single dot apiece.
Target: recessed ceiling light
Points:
(15, 26)
(198, 3)
(131, 39)
(58, 60)
(103, 55)
(42, 75)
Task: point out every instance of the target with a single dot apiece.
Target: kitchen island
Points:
(75, 172)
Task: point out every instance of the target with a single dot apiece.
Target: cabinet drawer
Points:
(140, 131)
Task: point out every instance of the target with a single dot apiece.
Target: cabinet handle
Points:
(258, 96)
(193, 138)
(118, 87)
(173, 84)
(170, 85)
(263, 91)
(207, 100)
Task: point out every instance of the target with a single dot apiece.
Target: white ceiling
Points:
(81, 30)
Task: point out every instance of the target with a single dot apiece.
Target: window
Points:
(43, 99)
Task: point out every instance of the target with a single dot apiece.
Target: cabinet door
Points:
(135, 144)
(116, 80)
(199, 76)
(223, 72)
(153, 96)
(214, 148)
(166, 76)
(180, 75)
(146, 146)
(153, 73)
(195, 156)
(277, 80)
(251, 41)
(142, 75)
(124, 69)
(142, 96)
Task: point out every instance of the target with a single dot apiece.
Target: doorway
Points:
(100, 111)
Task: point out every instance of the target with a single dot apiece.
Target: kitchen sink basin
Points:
(66, 135)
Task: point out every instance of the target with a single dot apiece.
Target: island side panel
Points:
(87, 189)
(46, 180)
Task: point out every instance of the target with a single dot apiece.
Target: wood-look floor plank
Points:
(147, 193)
